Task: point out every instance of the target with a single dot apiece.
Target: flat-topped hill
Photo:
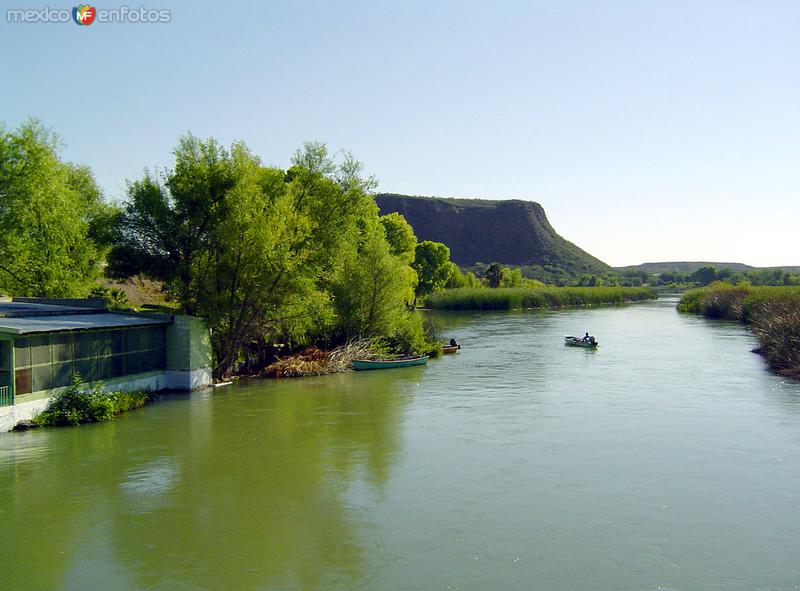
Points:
(512, 232)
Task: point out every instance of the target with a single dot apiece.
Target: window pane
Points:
(117, 366)
(132, 340)
(85, 345)
(40, 350)
(118, 341)
(103, 343)
(85, 368)
(22, 352)
(42, 378)
(103, 368)
(5, 355)
(23, 381)
(62, 350)
(160, 359)
(62, 374)
(133, 363)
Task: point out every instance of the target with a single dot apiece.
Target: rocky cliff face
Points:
(476, 230)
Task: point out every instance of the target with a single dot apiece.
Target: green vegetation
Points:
(536, 297)
(707, 275)
(773, 314)
(74, 406)
(52, 218)
(268, 256)
(433, 267)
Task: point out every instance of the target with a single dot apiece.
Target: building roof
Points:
(21, 325)
(14, 309)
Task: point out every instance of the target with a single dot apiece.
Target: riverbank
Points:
(316, 362)
(509, 298)
(773, 314)
(75, 406)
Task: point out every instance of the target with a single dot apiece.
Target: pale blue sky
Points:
(649, 130)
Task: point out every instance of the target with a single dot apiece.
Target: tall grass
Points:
(512, 298)
(741, 302)
(773, 314)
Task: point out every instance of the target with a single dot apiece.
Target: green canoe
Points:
(363, 364)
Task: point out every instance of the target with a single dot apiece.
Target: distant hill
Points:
(691, 267)
(510, 232)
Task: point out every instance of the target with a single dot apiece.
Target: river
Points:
(667, 459)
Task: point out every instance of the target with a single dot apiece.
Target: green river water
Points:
(667, 459)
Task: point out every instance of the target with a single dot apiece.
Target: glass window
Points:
(40, 350)
(85, 345)
(42, 377)
(104, 343)
(117, 341)
(103, 368)
(62, 349)
(117, 366)
(133, 340)
(23, 382)
(133, 363)
(86, 369)
(5, 355)
(22, 352)
(62, 374)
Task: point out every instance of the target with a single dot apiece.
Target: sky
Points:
(648, 130)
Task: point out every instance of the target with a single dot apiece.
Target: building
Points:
(43, 343)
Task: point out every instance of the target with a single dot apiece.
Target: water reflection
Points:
(666, 459)
(253, 498)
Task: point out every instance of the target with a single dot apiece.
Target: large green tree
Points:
(432, 264)
(52, 217)
(400, 235)
(262, 253)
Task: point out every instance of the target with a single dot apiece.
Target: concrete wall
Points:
(188, 354)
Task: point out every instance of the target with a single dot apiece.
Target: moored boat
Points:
(364, 364)
(577, 342)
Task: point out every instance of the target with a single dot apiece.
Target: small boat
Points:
(364, 364)
(448, 349)
(576, 342)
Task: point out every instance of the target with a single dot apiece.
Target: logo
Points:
(83, 14)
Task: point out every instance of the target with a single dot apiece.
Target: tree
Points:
(704, 275)
(51, 217)
(457, 278)
(400, 236)
(371, 298)
(432, 264)
(511, 277)
(265, 254)
(494, 275)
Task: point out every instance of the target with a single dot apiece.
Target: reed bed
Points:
(315, 362)
(470, 298)
(773, 314)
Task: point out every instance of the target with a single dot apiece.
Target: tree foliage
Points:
(433, 266)
(265, 254)
(52, 217)
(400, 235)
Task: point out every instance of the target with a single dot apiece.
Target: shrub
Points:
(74, 405)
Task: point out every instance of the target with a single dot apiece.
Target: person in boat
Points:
(453, 343)
(586, 338)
